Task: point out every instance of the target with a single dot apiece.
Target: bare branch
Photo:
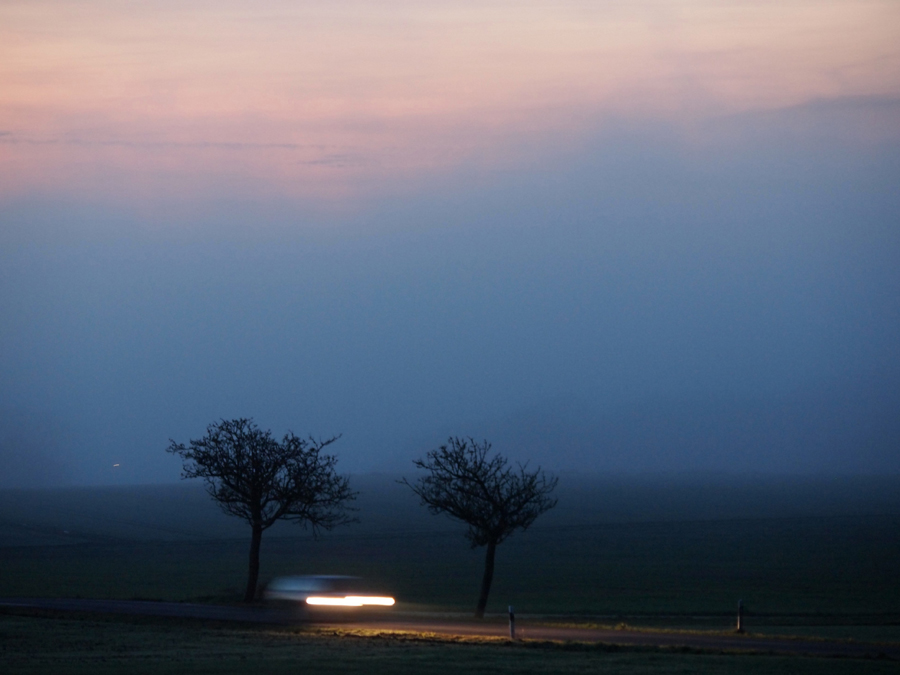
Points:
(255, 477)
(484, 492)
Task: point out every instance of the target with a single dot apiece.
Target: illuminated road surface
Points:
(404, 623)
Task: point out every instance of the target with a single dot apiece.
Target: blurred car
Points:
(324, 592)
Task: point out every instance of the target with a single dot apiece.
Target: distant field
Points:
(801, 572)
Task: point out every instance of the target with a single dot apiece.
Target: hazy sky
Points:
(616, 237)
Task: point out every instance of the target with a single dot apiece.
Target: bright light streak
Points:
(350, 601)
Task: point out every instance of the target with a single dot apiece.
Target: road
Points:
(407, 623)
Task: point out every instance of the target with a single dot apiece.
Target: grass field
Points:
(59, 644)
(825, 568)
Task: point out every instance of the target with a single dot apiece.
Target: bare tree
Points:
(485, 493)
(253, 476)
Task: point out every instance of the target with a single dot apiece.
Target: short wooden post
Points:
(740, 619)
(512, 624)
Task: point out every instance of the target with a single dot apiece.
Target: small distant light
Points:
(115, 465)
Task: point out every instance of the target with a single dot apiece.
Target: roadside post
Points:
(740, 618)
(512, 624)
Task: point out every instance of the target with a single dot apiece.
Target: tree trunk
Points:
(486, 579)
(253, 574)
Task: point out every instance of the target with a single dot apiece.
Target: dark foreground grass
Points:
(71, 645)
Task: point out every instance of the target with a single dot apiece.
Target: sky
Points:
(613, 238)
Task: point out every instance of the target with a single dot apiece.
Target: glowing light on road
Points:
(350, 601)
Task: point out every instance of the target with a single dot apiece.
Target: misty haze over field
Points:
(678, 253)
